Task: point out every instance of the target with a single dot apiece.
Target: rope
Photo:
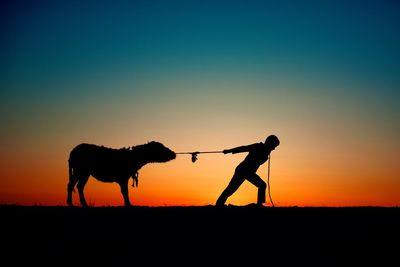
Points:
(269, 187)
(194, 154)
(203, 152)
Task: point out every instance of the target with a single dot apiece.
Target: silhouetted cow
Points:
(111, 165)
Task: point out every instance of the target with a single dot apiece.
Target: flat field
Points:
(199, 235)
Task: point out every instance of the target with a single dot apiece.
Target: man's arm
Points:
(238, 149)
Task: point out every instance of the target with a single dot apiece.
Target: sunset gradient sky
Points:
(324, 76)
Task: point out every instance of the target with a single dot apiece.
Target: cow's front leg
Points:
(124, 192)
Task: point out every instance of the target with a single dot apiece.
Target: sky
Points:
(324, 76)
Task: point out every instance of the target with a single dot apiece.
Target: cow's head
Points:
(157, 152)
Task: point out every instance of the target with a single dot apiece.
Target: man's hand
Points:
(226, 151)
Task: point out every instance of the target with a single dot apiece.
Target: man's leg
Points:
(261, 185)
(233, 185)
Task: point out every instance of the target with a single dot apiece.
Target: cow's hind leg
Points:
(82, 180)
(73, 179)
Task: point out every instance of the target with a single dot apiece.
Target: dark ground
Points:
(200, 235)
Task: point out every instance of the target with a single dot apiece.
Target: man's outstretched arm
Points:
(238, 149)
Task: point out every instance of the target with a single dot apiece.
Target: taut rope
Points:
(194, 154)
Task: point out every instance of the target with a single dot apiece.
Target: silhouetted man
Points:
(258, 155)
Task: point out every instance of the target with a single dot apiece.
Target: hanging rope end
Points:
(194, 156)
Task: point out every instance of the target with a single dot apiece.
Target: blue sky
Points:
(64, 40)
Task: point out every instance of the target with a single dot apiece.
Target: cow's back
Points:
(83, 155)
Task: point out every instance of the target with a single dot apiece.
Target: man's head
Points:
(272, 142)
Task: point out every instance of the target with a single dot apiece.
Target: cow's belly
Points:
(110, 176)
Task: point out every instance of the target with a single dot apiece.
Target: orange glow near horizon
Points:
(43, 180)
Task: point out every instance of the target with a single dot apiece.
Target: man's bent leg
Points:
(261, 185)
